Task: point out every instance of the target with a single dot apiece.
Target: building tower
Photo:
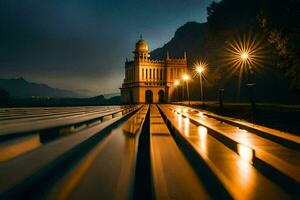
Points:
(150, 81)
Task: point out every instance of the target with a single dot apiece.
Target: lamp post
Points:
(186, 78)
(244, 55)
(200, 69)
(245, 58)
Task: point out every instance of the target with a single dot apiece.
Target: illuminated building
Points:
(147, 80)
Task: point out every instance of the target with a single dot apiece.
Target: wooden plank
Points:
(173, 177)
(239, 177)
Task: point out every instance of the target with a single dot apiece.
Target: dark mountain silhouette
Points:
(4, 97)
(190, 38)
(20, 88)
(195, 39)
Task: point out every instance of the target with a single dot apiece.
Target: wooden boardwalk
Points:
(143, 152)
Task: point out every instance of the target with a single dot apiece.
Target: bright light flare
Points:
(245, 53)
(244, 56)
(199, 68)
(185, 77)
(177, 82)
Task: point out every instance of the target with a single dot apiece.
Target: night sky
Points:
(82, 44)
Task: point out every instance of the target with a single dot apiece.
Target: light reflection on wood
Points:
(245, 152)
(70, 181)
(19, 146)
(64, 189)
(202, 131)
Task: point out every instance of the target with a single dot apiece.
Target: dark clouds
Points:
(82, 44)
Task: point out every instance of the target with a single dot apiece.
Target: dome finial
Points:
(141, 45)
(141, 36)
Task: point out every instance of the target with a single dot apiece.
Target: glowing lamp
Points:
(200, 69)
(185, 77)
(244, 56)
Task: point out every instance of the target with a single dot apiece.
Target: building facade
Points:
(151, 81)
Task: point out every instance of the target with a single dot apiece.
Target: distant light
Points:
(185, 77)
(199, 68)
(177, 82)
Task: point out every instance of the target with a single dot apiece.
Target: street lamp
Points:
(200, 69)
(246, 61)
(186, 79)
(245, 54)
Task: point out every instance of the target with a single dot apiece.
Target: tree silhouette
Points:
(277, 21)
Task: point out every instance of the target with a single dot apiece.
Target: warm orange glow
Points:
(201, 114)
(185, 77)
(177, 82)
(19, 146)
(202, 131)
(186, 126)
(245, 52)
(244, 55)
(243, 131)
(245, 152)
(199, 68)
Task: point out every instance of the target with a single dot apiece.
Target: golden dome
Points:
(141, 45)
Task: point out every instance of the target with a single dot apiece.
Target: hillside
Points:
(20, 88)
(195, 39)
